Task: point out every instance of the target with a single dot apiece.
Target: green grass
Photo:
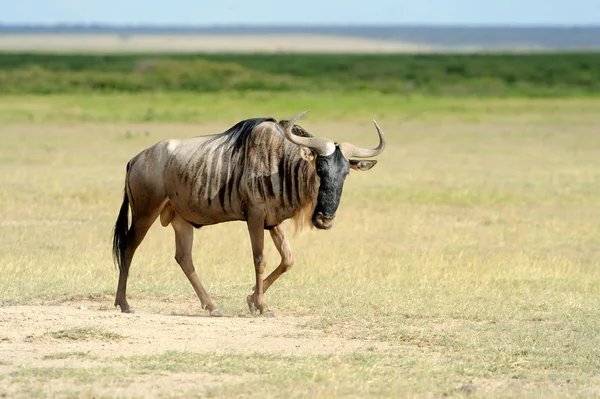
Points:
(471, 249)
(442, 74)
(229, 107)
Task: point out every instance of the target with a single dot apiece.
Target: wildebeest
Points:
(261, 171)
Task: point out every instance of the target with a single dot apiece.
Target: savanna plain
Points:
(465, 263)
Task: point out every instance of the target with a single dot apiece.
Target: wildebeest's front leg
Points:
(257, 238)
(184, 237)
(279, 236)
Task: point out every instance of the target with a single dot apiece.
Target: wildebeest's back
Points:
(194, 176)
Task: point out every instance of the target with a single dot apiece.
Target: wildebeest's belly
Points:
(201, 210)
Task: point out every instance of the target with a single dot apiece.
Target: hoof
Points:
(127, 311)
(268, 314)
(216, 313)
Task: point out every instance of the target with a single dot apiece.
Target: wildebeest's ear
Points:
(361, 165)
(307, 153)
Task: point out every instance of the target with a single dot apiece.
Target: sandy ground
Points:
(205, 43)
(25, 342)
(147, 333)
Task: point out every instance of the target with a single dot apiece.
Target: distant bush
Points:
(480, 74)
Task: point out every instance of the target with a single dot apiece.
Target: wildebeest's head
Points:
(333, 163)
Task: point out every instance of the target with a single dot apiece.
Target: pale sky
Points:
(304, 12)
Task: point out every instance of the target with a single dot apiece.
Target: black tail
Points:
(120, 235)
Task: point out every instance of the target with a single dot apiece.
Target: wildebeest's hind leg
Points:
(282, 244)
(135, 234)
(184, 238)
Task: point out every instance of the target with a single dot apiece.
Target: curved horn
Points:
(321, 145)
(350, 150)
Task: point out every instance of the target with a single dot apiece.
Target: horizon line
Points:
(292, 25)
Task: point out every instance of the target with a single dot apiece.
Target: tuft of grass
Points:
(70, 355)
(85, 334)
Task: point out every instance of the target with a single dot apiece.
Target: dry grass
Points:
(471, 248)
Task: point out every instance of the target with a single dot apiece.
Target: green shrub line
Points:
(536, 74)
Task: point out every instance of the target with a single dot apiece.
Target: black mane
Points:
(238, 133)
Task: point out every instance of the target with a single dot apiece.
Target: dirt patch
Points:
(27, 334)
